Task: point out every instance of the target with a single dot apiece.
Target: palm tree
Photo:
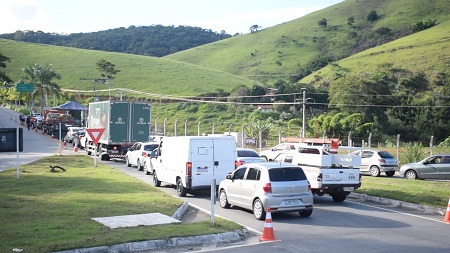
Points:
(42, 78)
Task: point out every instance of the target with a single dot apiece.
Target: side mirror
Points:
(229, 176)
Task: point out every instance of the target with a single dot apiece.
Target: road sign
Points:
(24, 87)
(95, 134)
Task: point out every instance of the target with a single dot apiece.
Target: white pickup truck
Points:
(328, 173)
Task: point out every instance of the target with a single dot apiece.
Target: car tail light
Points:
(144, 154)
(319, 177)
(267, 188)
(382, 160)
(188, 168)
(239, 163)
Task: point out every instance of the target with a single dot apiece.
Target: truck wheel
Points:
(223, 199)
(156, 182)
(258, 210)
(139, 166)
(181, 190)
(374, 171)
(88, 151)
(306, 213)
(338, 197)
(390, 173)
(127, 162)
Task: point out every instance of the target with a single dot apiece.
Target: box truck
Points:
(192, 162)
(125, 123)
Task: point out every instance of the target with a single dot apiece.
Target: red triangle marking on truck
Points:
(95, 134)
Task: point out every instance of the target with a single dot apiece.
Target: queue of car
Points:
(255, 182)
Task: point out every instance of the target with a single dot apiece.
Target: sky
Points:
(75, 16)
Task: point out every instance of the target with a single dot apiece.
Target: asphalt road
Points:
(35, 144)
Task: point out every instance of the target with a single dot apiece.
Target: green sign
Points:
(24, 87)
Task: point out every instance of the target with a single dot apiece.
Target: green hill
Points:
(427, 52)
(292, 50)
(143, 73)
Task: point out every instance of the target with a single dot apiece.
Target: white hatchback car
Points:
(270, 154)
(246, 155)
(136, 154)
(282, 187)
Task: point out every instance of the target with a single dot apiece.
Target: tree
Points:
(323, 23)
(3, 77)
(373, 16)
(254, 28)
(254, 128)
(42, 78)
(107, 69)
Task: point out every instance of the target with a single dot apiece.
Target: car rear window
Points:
(286, 174)
(247, 153)
(150, 147)
(385, 154)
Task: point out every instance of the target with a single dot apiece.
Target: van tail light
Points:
(267, 188)
(188, 168)
(144, 154)
(319, 177)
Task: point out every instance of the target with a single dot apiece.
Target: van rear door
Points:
(212, 158)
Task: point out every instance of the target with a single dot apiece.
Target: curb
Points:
(398, 203)
(200, 240)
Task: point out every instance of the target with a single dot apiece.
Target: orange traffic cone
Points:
(268, 234)
(447, 214)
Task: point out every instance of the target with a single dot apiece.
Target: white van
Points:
(192, 162)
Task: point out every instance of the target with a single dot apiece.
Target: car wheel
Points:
(390, 173)
(139, 166)
(338, 197)
(127, 162)
(306, 213)
(156, 182)
(374, 171)
(258, 210)
(181, 190)
(411, 175)
(146, 171)
(223, 199)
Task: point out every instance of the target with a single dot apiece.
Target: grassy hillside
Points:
(144, 73)
(281, 51)
(427, 51)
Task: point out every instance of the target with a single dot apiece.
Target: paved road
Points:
(36, 145)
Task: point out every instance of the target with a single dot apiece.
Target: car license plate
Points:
(349, 189)
(291, 202)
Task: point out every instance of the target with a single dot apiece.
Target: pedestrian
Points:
(28, 122)
(21, 119)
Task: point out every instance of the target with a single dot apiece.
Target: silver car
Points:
(433, 167)
(282, 187)
(377, 161)
(246, 155)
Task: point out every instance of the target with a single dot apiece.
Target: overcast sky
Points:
(74, 16)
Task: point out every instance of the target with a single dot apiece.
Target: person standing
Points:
(28, 122)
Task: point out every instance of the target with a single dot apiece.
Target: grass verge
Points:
(46, 211)
(425, 192)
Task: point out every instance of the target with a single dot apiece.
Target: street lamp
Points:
(304, 90)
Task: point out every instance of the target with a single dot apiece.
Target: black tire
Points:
(411, 175)
(258, 210)
(156, 182)
(390, 173)
(223, 200)
(139, 166)
(338, 197)
(181, 190)
(374, 171)
(127, 162)
(306, 213)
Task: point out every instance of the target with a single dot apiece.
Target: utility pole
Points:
(303, 111)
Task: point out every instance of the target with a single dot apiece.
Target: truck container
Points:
(124, 122)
